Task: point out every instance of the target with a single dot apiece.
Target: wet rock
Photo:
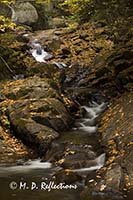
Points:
(74, 161)
(33, 134)
(36, 112)
(34, 87)
(45, 104)
(112, 72)
(67, 178)
(110, 188)
(72, 156)
(55, 152)
(116, 126)
(55, 114)
(115, 183)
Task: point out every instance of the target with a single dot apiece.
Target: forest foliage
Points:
(81, 10)
(5, 22)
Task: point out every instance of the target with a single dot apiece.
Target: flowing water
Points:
(35, 180)
(30, 185)
(38, 52)
(40, 55)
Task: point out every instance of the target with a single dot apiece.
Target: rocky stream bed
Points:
(72, 109)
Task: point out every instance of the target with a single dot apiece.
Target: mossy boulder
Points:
(30, 88)
(25, 13)
(36, 111)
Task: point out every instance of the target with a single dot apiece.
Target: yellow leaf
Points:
(67, 171)
(102, 187)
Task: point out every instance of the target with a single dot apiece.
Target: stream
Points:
(34, 179)
(66, 100)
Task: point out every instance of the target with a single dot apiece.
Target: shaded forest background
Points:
(114, 12)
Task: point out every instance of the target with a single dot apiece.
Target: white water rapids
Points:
(40, 55)
(38, 52)
(85, 125)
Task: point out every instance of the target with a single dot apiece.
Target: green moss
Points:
(53, 84)
(7, 38)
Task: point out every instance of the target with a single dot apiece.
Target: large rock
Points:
(31, 133)
(30, 88)
(71, 156)
(25, 13)
(35, 111)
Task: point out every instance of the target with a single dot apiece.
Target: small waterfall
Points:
(88, 129)
(38, 52)
(84, 125)
(90, 113)
(40, 55)
(98, 163)
(88, 124)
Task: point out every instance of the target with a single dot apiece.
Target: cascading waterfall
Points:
(38, 52)
(84, 125)
(98, 163)
(88, 125)
(40, 55)
(88, 129)
(60, 65)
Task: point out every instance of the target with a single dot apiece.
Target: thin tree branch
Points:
(3, 60)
